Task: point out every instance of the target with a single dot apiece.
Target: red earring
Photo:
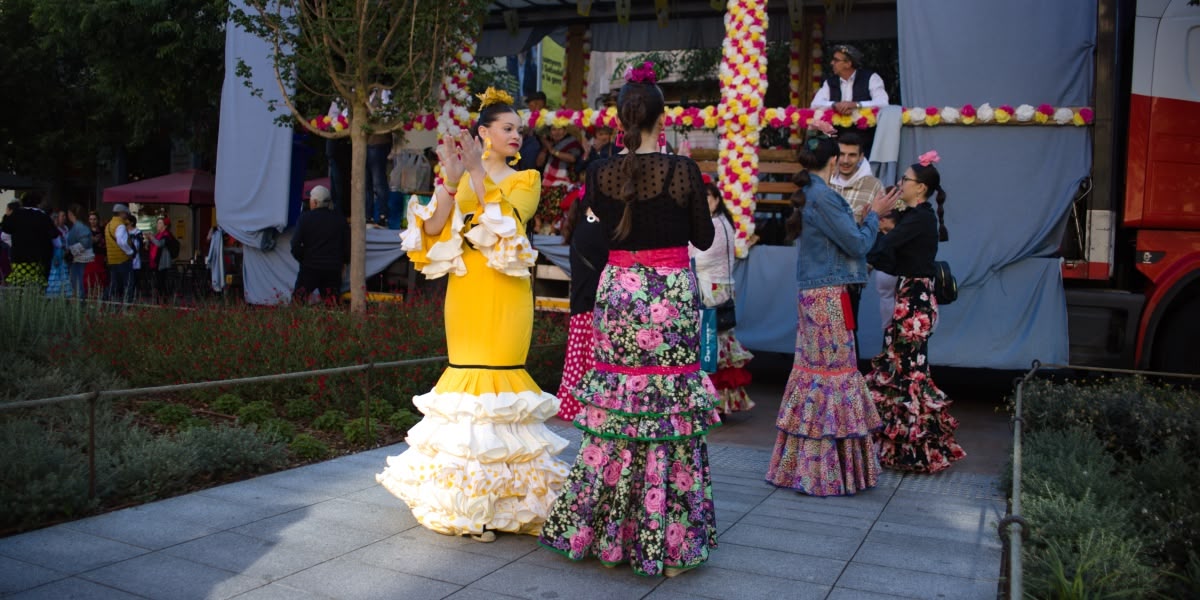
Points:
(620, 141)
(662, 140)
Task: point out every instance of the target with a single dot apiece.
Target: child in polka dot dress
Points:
(589, 254)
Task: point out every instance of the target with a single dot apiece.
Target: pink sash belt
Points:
(675, 257)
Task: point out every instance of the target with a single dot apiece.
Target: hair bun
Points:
(494, 96)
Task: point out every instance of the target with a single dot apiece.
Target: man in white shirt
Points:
(850, 87)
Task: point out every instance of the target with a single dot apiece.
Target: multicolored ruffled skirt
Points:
(918, 433)
(731, 377)
(640, 491)
(824, 445)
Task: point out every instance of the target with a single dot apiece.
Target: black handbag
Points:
(945, 286)
(726, 315)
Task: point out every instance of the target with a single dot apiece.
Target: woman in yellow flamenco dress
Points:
(481, 459)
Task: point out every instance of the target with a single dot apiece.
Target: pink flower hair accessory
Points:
(642, 74)
(929, 158)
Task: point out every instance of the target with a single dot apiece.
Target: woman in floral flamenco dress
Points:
(714, 274)
(481, 459)
(824, 445)
(588, 239)
(640, 490)
(918, 433)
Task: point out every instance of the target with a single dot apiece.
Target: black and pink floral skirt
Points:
(918, 431)
(640, 491)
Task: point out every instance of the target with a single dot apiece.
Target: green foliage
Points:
(39, 479)
(279, 429)
(361, 430)
(403, 419)
(173, 414)
(43, 351)
(345, 49)
(330, 420)
(93, 76)
(151, 407)
(1110, 467)
(1074, 463)
(1095, 565)
(227, 404)
(256, 413)
(45, 473)
(225, 451)
(1132, 417)
(301, 409)
(307, 447)
(380, 409)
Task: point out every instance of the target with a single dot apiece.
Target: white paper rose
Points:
(985, 113)
(1024, 113)
(950, 115)
(1063, 116)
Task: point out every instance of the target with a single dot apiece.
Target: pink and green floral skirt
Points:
(918, 433)
(640, 491)
(824, 445)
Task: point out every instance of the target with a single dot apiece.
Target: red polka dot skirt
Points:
(579, 361)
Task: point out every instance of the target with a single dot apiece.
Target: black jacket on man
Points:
(321, 241)
(33, 234)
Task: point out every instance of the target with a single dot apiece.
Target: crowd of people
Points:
(651, 248)
(57, 251)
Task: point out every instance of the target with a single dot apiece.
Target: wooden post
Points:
(574, 81)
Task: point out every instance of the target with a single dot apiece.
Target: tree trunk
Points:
(358, 209)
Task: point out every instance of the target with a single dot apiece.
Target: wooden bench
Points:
(551, 287)
(770, 162)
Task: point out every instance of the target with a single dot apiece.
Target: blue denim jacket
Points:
(832, 246)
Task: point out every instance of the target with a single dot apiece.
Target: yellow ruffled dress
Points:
(482, 455)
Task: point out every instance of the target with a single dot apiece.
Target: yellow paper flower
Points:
(1002, 115)
(968, 120)
(905, 118)
(933, 119)
(494, 96)
(1040, 117)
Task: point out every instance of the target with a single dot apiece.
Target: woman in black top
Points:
(640, 491)
(918, 433)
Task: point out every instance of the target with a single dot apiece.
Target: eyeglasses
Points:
(903, 179)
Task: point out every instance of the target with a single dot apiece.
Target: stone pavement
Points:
(328, 531)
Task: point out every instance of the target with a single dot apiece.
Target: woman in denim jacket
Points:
(825, 421)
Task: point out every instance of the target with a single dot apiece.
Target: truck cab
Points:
(1133, 286)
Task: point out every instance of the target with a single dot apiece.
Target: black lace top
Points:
(671, 208)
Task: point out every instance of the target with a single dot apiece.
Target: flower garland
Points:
(327, 123)
(743, 83)
(984, 114)
(694, 117)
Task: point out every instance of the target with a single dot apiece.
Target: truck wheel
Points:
(1175, 341)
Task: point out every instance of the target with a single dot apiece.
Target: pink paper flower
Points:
(642, 74)
(929, 158)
